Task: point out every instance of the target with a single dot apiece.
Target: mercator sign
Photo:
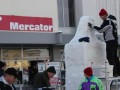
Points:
(25, 23)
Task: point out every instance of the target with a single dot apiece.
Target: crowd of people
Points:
(41, 80)
(9, 76)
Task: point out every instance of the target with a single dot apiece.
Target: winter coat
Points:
(1, 72)
(41, 80)
(4, 86)
(109, 33)
(91, 83)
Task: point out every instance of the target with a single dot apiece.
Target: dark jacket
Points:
(110, 34)
(4, 86)
(41, 80)
(1, 72)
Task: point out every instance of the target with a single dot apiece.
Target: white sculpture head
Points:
(83, 30)
(83, 27)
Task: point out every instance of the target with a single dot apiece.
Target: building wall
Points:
(92, 8)
(35, 8)
(56, 9)
(57, 52)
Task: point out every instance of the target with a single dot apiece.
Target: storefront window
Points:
(35, 53)
(11, 54)
(24, 60)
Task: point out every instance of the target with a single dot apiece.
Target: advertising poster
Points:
(41, 67)
(55, 80)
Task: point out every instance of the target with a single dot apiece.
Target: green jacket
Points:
(93, 79)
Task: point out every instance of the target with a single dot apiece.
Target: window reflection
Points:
(37, 53)
(12, 54)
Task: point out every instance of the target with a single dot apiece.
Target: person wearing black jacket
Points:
(2, 67)
(41, 79)
(7, 80)
(4, 86)
(109, 30)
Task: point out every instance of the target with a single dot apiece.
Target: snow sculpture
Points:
(82, 51)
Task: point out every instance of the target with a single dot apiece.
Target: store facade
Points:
(35, 30)
(30, 34)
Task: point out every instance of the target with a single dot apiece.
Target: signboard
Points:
(41, 67)
(25, 23)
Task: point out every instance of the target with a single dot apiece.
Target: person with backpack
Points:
(109, 30)
(90, 82)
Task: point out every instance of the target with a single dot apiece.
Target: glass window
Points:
(35, 53)
(11, 54)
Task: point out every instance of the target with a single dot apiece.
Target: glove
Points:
(95, 27)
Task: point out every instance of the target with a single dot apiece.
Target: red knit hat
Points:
(88, 71)
(102, 12)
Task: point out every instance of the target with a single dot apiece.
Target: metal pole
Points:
(106, 76)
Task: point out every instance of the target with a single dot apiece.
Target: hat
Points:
(102, 12)
(13, 72)
(51, 69)
(88, 71)
(2, 64)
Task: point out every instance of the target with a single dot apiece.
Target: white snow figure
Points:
(82, 51)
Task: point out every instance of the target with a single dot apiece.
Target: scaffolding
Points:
(107, 81)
